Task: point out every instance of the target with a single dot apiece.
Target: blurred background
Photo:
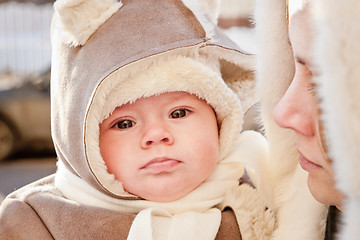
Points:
(26, 149)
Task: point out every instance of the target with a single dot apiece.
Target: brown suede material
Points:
(69, 220)
(19, 221)
(229, 228)
(45, 215)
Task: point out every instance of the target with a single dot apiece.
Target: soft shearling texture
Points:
(79, 19)
(255, 219)
(280, 178)
(337, 56)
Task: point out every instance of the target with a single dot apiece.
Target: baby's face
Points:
(161, 147)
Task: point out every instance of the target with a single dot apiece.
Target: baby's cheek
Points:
(211, 159)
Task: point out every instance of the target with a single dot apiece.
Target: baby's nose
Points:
(157, 135)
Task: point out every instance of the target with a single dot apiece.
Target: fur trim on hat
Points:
(336, 54)
(169, 74)
(81, 18)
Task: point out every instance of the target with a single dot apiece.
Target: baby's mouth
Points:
(161, 164)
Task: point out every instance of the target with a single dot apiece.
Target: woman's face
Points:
(298, 111)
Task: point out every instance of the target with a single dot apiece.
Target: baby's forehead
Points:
(163, 98)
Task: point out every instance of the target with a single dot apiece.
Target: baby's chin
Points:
(162, 196)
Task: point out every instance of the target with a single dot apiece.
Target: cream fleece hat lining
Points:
(166, 74)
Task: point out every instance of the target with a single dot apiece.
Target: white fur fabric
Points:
(253, 217)
(81, 18)
(279, 178)
(337, 55)
(157, 223)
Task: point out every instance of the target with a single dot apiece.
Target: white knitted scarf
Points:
(194, 216)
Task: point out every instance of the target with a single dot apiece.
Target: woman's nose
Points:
(293, 112)
(284, 112)
(157, 134)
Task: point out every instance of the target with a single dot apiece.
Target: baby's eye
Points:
(179, 113)
(124, 124)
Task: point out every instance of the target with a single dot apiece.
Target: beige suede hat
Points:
(109, 53)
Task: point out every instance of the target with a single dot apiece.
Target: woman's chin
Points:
(323, 190)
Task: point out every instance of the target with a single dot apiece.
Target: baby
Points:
(146, 123)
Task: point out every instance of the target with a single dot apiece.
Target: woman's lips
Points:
(307, 165)
(159, 165)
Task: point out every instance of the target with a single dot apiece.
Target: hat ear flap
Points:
(79, 19)
(241, 80)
